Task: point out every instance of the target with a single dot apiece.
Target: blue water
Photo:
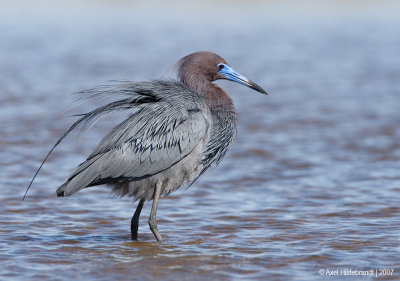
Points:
(311, 183)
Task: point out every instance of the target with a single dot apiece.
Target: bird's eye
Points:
(220, 66)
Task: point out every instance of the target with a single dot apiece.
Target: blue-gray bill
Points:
(232, 75)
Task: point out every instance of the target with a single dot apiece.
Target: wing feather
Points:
(150, 141)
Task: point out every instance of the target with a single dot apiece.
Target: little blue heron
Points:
(179, 129)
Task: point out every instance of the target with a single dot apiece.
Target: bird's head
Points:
(212, 67)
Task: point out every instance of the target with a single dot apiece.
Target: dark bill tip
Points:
(254, 86)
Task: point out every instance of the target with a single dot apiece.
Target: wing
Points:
(169, 125)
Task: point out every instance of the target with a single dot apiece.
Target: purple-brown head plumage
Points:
(198, 70)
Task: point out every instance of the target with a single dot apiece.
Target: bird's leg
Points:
(135, 220)
(152, 219)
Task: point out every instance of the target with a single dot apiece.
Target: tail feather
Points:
(60, 190)
(83, 176)
(136, 93)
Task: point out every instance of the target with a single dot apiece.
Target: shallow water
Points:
(312, 182)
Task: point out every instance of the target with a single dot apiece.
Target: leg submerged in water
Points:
(135, 220)
(152, 219)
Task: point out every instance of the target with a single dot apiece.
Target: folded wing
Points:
(165, 129)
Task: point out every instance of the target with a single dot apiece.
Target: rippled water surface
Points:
(312, 183)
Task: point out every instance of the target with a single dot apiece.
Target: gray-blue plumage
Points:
(175, 132)
(168, 139)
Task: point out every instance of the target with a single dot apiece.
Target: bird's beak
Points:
(232, 75)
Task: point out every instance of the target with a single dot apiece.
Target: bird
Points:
(176, 130)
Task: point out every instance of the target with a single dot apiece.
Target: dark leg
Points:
(135, 220)
(152, 219)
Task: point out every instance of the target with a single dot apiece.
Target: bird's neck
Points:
(216, 98)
